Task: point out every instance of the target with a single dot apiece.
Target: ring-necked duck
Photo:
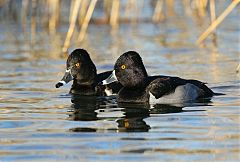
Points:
(139, 87)
(81, 69)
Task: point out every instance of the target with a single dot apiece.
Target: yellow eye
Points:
(123, 67)
(77, 65)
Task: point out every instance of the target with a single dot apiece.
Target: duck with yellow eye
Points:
(139, 87)
(123, 67)
(77, 65)
(83, 72)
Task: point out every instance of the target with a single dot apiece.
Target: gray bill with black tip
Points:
(66, 78)
(110, 79)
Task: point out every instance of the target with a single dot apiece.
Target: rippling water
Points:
(41, 123)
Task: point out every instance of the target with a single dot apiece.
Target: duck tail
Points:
(218, 94)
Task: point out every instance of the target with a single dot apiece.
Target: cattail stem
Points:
(71, 26)
(213, 26)
(212, 10)
(157, 15)
(86, 20)
(114, 13)
(54, 15)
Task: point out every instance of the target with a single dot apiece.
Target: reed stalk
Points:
(25, 4)
(114, 13)
(202, 4)
(82, 12)
(71, 9)
(107, 8)
(212, 10)
(157, 14)
(214, 24)
(54, 17)
(71, 26)
(170, 7)
(128, 8)
(140, 9)
(87, 20)
(187, 8)
(33, 22)
(238, 68)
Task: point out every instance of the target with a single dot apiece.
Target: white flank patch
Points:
(187, 92)
(108, 92)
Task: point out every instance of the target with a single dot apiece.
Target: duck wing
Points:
(207, 92)
(163, 85)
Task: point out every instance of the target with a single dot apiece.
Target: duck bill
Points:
(110, 79)
(66, 78)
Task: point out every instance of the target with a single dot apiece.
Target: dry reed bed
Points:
(115, 12)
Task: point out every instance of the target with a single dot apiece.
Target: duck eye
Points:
(123, 67)
(77, 65)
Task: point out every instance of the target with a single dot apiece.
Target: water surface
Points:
(41, 123)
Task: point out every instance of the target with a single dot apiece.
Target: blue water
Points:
(41, 123)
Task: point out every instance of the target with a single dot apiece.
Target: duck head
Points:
(128, 70)
(80, 68)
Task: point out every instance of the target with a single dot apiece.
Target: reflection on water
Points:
(132, 119)
(132, 115)
(41, 123)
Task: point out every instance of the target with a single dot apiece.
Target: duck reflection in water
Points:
(88, 108)
(134, 115)
(84, 108)
(133, 118)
